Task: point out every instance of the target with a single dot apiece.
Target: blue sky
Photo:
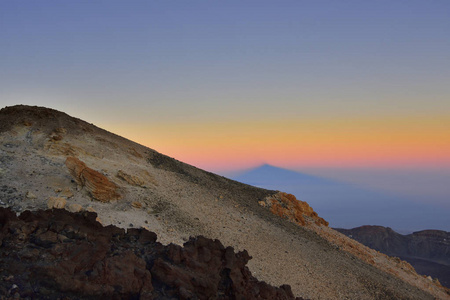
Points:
(317, 57)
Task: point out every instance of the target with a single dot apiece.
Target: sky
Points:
(358, 90)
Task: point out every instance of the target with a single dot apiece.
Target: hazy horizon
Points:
(348, 203)
(416, 184)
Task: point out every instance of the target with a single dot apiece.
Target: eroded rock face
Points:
(287, 206)
(97, 184)
(133, 180)
(54, 253)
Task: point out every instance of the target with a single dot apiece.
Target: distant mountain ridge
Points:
(347, 205)
(428, 251)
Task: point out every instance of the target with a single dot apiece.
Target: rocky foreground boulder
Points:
(56, 254)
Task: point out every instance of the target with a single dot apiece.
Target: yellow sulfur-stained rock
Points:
(56, 202)
(66, 192)
(74, 207)
(30, 195)
(136, 204)
(131, 179)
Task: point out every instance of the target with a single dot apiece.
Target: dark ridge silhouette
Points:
(428, 251)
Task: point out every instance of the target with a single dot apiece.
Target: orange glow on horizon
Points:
(314, 143)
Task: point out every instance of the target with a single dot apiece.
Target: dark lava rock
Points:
(55, 254)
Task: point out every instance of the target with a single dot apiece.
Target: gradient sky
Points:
(229, 85)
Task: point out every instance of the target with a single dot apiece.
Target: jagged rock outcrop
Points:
(97, 184)
(54, 253)
(287, 206)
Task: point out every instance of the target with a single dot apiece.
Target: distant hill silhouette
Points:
(346, 205)
(428, 251)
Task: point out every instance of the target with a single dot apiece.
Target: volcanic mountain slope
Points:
(428, 251)
(51, 160)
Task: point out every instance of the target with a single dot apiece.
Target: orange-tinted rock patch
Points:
(288, 207)
(97, 184)
(133, 180)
